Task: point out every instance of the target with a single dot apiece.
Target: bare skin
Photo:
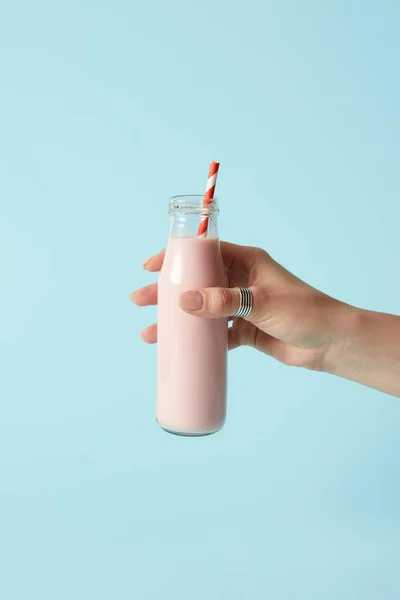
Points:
(292, 321)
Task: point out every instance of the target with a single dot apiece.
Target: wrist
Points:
(366, 349)
(347, 328)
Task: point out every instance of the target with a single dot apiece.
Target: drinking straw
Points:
(208, 197)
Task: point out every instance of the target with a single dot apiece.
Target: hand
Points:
(290, 320)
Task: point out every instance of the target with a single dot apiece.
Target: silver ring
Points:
(246, 303)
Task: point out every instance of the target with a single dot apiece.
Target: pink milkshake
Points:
(192, 351)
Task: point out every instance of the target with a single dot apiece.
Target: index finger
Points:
(154, 263)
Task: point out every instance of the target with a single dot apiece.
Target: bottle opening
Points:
(192, 205)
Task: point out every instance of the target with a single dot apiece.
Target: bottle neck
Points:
(188, 212)
(188, 226)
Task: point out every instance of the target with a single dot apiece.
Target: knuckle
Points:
(258, 253)
(262, 254)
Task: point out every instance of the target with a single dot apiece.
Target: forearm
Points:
(367, 349)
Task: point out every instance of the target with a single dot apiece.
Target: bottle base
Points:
(189, 433)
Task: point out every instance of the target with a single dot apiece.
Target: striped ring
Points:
(245, 304)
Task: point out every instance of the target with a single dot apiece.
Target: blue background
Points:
(107, 109)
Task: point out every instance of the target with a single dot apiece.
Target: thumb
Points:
(214, 302)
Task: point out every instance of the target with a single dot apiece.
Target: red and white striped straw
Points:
(208, 196)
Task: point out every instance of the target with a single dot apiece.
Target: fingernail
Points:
(146, 262)
(191, 300)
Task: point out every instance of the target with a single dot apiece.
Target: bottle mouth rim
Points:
(192, 204)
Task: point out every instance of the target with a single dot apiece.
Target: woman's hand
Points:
(290, 320)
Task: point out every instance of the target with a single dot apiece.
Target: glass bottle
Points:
(192, 351)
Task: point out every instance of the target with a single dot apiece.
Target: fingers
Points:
(146, 296)
(243, 333)
(154, 263)
(149, 334)
(216, 303)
